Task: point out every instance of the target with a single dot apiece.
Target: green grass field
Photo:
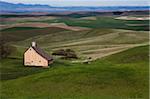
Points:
(119, 76)
(119, 68)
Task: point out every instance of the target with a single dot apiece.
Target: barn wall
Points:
(32, 58)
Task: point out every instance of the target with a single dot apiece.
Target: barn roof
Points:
(42, 53)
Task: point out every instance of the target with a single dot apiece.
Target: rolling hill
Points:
(94, 43)
(112, 57)
(22, 33)
(110, 22)
(103, 78)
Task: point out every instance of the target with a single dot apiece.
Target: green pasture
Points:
(119, 76)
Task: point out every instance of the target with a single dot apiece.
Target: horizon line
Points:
(79, 5)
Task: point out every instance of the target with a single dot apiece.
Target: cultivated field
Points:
(117, 48)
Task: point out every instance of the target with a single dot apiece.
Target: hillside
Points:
(103, 78)
(107, 22)
(94, 37)
(112, 55)
(22, 33)
(94, 43)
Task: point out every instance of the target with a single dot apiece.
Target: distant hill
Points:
(11, 7)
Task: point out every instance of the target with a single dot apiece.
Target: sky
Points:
(84, 2)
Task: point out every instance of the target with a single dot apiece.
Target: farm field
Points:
(111, 22)
(127, 70)
(118, 50)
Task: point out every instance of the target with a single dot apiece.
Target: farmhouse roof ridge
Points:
(42, 53)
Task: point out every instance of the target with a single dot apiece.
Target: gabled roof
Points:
(42, 53)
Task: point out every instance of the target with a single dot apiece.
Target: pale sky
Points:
(84, 2)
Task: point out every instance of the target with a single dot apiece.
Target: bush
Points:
(67, 53)
(5, 49)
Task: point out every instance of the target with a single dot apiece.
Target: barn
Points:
(35, 56)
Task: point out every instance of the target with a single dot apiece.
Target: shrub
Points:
(5, 49)
(67, 53)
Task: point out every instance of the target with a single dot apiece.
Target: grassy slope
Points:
(91, 41)
(94, 36)
(83, 42)
(120, 76)
(13, 68)
(22, 33)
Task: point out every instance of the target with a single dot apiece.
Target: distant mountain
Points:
(20, 5)
(11, 7)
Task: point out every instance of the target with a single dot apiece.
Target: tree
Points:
(5, 49)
